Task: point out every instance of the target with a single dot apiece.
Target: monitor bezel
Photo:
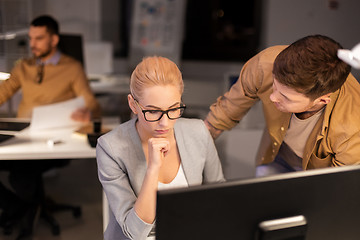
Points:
(199, 205)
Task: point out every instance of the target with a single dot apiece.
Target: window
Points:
(214, 29)
(221, 29)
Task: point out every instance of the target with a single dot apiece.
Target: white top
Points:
(178, 181)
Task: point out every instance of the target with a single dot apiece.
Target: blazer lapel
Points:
(184, 155)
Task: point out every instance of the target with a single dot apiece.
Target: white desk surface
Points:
(27, 145)
(110, 84)
(33, 146)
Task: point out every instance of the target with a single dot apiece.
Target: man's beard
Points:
(44, 55)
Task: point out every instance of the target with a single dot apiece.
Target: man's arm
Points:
(215, 133)
(81, 115)
(255, 80)
(9, 87)
(231, 107)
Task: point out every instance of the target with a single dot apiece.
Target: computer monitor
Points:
(311, 205)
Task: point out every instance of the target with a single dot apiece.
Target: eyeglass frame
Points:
(144, 111)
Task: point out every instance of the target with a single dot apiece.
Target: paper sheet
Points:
(56, 115)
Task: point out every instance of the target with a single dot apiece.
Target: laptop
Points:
(4, 137)
(10, 126)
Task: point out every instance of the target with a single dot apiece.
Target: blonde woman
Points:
(155, 150)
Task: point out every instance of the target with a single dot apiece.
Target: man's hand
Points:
(214, 132)
(81, 115)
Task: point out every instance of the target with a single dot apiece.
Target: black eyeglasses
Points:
(40, 73)
(155, 115)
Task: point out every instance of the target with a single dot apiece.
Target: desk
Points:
(110, 84)
(111, 92)
(27, 145)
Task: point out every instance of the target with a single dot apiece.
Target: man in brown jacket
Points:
(310, 103)
(48, 77)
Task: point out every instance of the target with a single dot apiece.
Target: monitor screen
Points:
(312, 205)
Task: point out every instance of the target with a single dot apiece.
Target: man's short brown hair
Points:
(47, 21)
(311, 66)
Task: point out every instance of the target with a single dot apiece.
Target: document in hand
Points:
(56, 115)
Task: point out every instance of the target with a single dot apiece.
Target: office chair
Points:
(40, 206)
(49, 206)
(70, 44)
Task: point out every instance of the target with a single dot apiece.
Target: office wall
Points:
(74, 16)
(285, 21)
(288, 20)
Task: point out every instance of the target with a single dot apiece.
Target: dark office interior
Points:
(216, 37)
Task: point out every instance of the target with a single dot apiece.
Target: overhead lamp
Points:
(351, 57)
(13, 34)
(4, 76)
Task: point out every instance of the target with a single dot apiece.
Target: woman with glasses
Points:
(155, 150)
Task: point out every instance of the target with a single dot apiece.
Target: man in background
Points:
(310, 102)
(48, 77)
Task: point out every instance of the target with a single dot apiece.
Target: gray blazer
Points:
(122, 167)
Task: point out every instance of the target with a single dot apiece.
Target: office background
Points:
(212, 26)
(108, 22)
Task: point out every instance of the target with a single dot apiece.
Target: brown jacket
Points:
(335, 139)
(61, 82)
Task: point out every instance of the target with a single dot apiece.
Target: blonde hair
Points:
(155, 71)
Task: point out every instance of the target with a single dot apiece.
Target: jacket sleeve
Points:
(119, 192)
(10, 86)
(345, 144)
(342, 128)
(348, 152)
(230, 108)
(254, 83)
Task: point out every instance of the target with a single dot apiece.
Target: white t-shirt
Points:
(299, 131)
(292, 149)
(177, 182)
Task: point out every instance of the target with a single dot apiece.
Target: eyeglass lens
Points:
(155, 115)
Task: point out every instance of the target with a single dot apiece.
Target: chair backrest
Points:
(72, 45)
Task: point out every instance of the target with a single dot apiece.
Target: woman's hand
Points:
(145, 205)
(157, 150)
